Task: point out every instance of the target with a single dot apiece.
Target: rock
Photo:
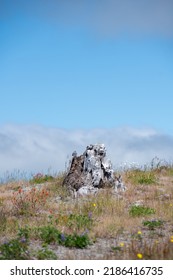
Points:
(86, 190)
(138, 203)
(119, 185)
(90, 172)
(165, 196)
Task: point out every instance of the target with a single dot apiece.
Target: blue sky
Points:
(80, 67)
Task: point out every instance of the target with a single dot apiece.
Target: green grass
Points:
(140, 211)
(79, 221)
(142, 177)
(153, 224)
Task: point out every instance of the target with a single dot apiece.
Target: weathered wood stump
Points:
(91, 171)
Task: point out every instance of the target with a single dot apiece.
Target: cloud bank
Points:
(33, 148)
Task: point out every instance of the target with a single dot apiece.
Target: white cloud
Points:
(34, 148)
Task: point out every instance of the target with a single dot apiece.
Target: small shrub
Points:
(78, 241)
(15, 249)
(49, 234)
(153, 224)
(116, 248)
(46, 254)
(140, 211)
(24, 233)
(29, 202)
(79, 221)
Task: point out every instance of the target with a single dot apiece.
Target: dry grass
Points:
(110, 215)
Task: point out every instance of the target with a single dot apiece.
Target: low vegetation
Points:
(38, 219)
(137, 210)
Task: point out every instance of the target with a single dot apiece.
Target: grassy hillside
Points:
(38, 220)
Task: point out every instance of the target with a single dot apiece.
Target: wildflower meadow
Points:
(39, 220)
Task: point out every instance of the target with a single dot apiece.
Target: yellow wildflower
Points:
(94, 204)
(139, 232)
(139, 256)
(171, 240)
(121, 244)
